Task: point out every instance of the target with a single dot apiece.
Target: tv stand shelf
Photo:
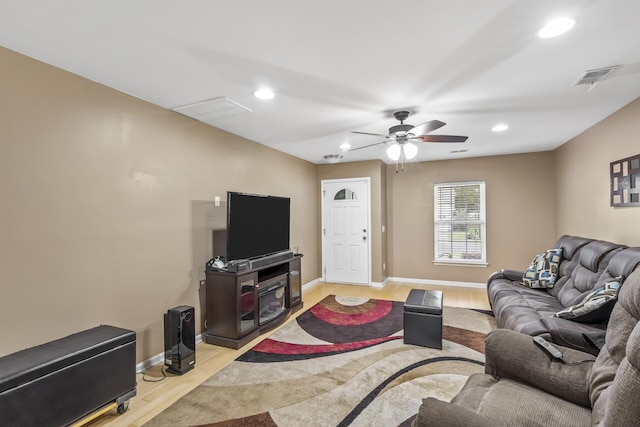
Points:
(269, 271)
(235, 302)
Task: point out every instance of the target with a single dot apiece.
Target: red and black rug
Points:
(341, 363)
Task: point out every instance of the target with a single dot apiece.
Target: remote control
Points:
(551, 351)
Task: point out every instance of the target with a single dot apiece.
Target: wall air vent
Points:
(591, 78)
(211, 109)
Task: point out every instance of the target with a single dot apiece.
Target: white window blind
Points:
(460, 222)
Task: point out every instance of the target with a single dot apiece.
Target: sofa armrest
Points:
(513, 355)
(514, 275)
(580, 336)
(434, 412)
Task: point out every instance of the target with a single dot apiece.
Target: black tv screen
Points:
(257, 225)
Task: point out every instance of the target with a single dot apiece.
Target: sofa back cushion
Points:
(614, 382)
(621, 264)
(571, 246)
(585, 275)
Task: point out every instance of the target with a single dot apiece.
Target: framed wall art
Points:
(625, 179)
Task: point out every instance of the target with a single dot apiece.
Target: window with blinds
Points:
(460, 222)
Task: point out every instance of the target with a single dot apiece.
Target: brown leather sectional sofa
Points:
(586, 264)
(524, 386)
(521, 386)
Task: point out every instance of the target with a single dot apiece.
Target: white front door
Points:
(345, 226)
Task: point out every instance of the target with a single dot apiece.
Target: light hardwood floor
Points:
(154, 397)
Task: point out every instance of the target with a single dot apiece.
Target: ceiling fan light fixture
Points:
(556, 27)
(403, 135)
(394, 152)
(410, 150)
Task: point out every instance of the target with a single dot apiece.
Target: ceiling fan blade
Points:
(427, 127)
(367, 146)
(374, 134)
(443, 138)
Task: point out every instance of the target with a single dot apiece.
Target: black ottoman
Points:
(423, 318)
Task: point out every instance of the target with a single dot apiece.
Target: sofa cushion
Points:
(594, 259)
(622, 264)
(511, 403)
(522, 309)
(596, 305)
(543, 270)
(571, 246)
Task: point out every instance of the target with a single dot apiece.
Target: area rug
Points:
(341, 363)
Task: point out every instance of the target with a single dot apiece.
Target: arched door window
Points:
(345, 194)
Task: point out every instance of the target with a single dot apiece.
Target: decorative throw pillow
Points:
(543, 271)
(596, 306)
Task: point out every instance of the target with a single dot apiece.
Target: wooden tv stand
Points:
(233, 301)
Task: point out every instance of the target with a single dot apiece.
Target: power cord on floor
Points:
(164, 376)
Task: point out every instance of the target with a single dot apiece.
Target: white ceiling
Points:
(341, 66)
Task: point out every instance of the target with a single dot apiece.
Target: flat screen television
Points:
(257, 225)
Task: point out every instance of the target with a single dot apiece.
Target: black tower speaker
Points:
(180, 339)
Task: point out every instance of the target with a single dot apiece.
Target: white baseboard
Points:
(312, 283)
(402, 280)
(408, 281)
(379, 284)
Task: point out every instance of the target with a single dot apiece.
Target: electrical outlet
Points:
(384, 266)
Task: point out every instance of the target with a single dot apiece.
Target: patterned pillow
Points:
(543, 271)
(596, 306)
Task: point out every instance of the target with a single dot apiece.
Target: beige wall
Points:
(403, 202)
(375, 170)
(520, 213)
(583, 187)
(107, 206)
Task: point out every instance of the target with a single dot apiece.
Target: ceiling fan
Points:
(403, 136)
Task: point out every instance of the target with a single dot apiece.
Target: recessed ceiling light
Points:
(264, 93)
(345, 146)
(556, 27)
(500, 127)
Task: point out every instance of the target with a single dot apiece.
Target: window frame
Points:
(481, 223)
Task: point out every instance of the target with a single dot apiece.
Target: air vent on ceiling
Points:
(211, 109)
(591, 78)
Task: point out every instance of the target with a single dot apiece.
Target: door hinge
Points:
(324, 231)
(324, 193)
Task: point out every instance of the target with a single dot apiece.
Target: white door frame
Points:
(367, 181)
